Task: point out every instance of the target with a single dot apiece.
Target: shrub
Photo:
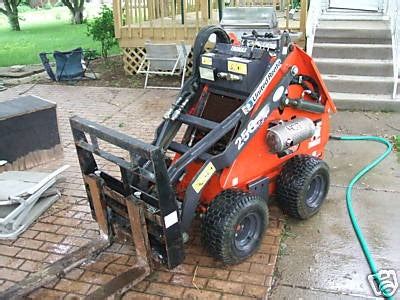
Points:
(47, 5)
(24, 8)
(101, 29)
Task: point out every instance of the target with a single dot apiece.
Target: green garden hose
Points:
(349, 200)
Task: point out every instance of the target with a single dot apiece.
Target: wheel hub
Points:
(315, 191)
(247, 231)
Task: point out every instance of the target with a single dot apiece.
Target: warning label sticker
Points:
(204, 177)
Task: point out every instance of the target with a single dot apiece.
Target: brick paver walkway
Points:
(68, 224)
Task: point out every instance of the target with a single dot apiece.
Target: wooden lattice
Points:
(133, 57)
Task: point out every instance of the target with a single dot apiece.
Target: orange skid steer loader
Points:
(257, 122)
(255, 116)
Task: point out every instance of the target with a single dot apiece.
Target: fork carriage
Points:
(117, 204)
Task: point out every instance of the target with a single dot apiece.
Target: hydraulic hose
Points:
(349, 200)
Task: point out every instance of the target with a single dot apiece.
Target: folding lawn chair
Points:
(70, 65)
(24, 196)
(164, 59)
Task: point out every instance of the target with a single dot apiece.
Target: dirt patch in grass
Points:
(112, 74)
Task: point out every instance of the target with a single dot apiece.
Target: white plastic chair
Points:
(164, 59)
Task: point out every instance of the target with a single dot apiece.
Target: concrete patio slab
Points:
(365, 123)
(24, 71)
(321, 257)
(346, 157)
(304, 293)
(323, 252)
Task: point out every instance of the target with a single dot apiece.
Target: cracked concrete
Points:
(321, 257)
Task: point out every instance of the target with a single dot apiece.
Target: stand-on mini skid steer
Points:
(255, 116)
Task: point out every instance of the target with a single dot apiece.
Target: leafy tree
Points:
(101, 29)
(76, 8)
(11, 11)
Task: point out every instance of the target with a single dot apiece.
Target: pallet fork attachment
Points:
(114, 201)
(55, 271)
(119, 207)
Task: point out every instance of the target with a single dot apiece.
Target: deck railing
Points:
(135, 12)
(161, 19)
(172, 20)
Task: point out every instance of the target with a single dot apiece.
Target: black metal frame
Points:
(165, 235)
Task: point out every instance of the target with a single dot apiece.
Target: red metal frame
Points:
(256, 161)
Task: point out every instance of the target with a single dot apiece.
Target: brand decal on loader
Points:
(261, 87)
(252, 127)
(203, 177)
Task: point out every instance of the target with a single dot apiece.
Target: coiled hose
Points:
(349, 200)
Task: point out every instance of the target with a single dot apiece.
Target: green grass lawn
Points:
(42, 31)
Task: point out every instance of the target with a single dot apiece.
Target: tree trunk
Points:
(76, 8)
(78, 17)
(14, 21)
(11, 11)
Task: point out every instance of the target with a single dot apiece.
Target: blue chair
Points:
(46, 65)
(70, 65)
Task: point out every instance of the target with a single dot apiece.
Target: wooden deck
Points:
(166, 21)
(169, 30)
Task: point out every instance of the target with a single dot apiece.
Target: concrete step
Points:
(362, 51)
(358, 84)
(350, 101)
(357, 17)
(351, 11)
(351, 32)
(352, 40)
(355, 24)
(362, 67)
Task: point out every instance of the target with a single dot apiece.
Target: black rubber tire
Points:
(298, 191)
(226, 222)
